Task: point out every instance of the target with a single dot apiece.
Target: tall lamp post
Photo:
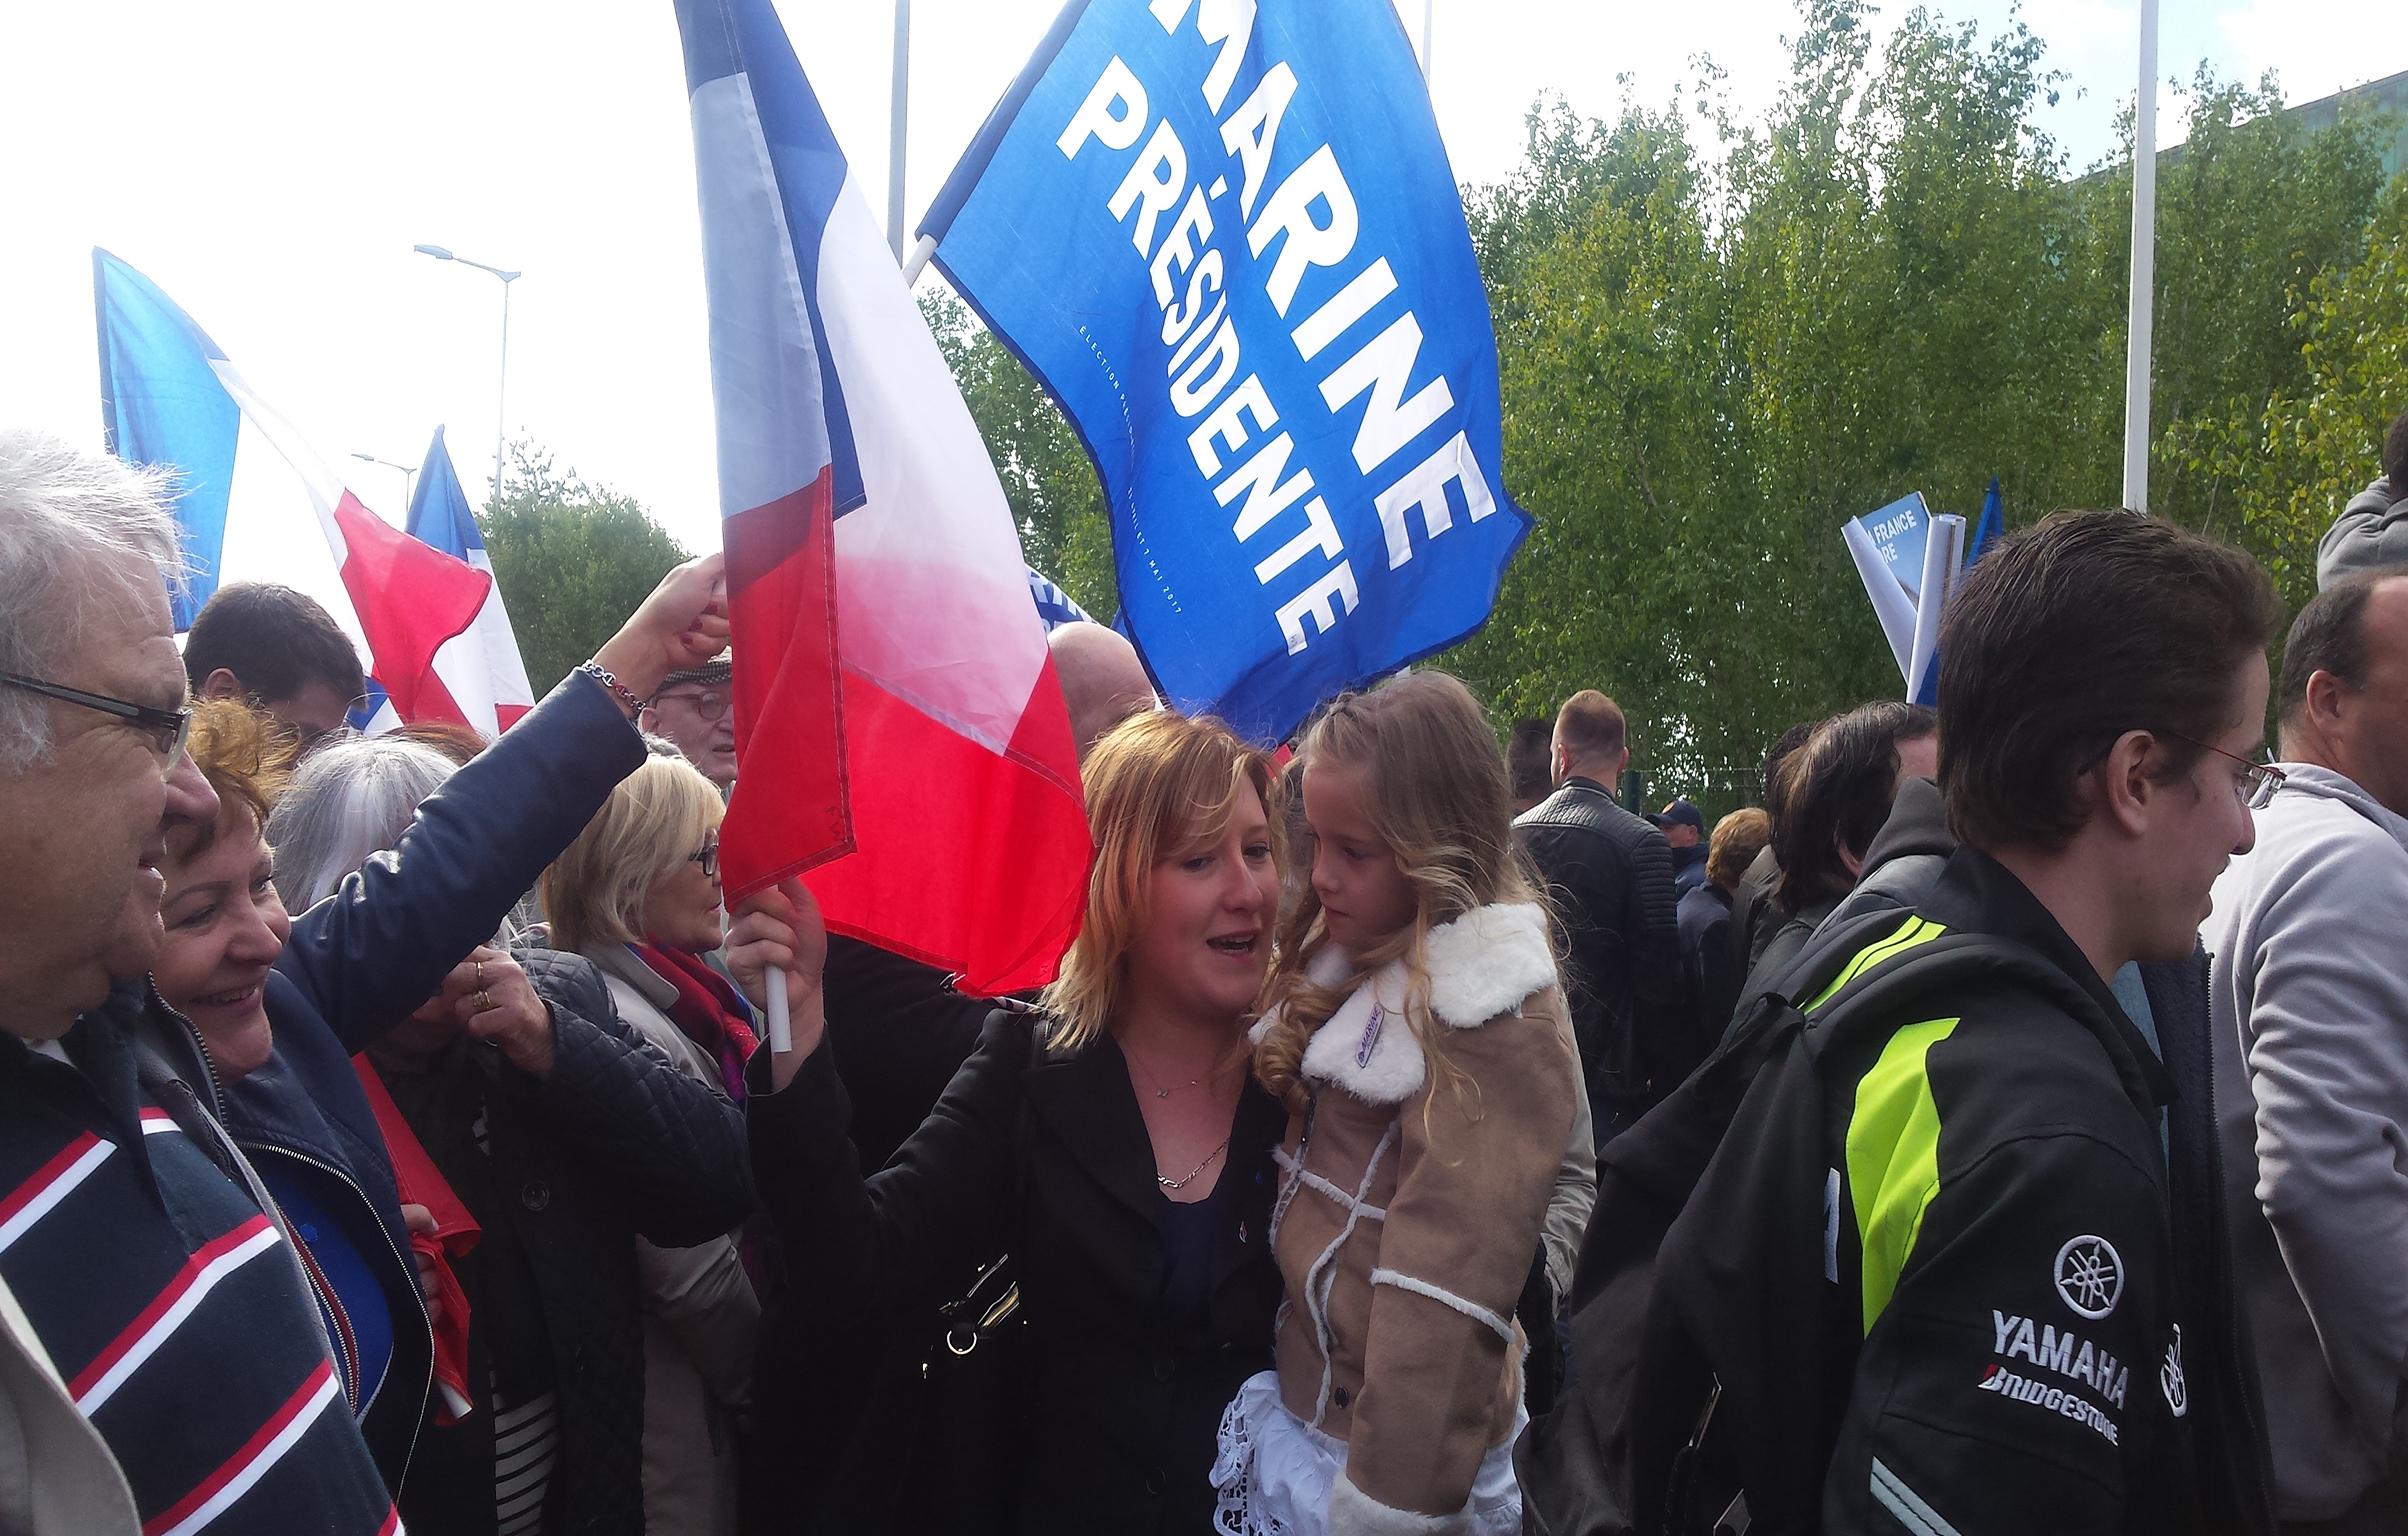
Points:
(502, 389)
(409, 475)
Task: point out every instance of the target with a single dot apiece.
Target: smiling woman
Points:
(224, 923)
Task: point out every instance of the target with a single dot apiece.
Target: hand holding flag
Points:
(776, 945)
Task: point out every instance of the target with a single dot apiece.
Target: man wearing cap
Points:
(1684, 828)
(691, 712)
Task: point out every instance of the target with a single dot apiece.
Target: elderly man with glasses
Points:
(133, 1235)
(691, 712)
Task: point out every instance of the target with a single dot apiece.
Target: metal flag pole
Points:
(2144, 269)
(901, 96)
(1427, 58)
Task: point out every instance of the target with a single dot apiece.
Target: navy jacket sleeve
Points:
(369, 954)
(672, 1147)
(942, 1206)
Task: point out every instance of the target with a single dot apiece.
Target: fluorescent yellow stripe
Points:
(1912, 932)
(1894, 1157)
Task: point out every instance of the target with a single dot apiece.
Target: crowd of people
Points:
(1997, 1128)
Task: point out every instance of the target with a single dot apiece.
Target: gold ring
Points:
(484, 1000)
(477, 976)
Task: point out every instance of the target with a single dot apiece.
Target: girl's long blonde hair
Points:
(1157, 785)
(1440, 798)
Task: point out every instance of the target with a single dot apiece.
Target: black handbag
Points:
(973, 1418)
(970, 1426)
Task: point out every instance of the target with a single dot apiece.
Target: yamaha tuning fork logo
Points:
(2090, 1276)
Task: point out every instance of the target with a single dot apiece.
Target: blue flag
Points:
(439, 511)
(1227, 240)
(1991, 528)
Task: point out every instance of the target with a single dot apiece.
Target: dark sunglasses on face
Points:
(168, 729)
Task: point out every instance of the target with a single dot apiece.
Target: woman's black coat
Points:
(1046, 1158)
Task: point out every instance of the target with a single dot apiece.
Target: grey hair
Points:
(349, 799)
(64, 511)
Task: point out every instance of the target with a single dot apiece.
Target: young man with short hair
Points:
(280, 651)
(1931, 1269)
(2000, 1225)
(1609, 874)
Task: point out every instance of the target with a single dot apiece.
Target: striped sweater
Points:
(168, 1298)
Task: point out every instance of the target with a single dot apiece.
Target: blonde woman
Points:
(638, 894)
(1417, 1034)
(1115, 1147)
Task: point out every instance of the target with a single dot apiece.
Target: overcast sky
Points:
(269, 163)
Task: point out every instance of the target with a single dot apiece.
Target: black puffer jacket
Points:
(1609, 875)
(613, 1144)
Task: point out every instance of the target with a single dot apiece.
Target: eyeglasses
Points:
(709, 703)
(708, 858)
(2256, 778)
(168, 729)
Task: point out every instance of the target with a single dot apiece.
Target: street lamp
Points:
(409, 473)
(501, 390)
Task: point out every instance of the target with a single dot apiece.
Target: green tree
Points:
(2285, 467)
(573, 559)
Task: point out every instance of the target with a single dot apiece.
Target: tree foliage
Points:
(1718, 341)
(573, 559)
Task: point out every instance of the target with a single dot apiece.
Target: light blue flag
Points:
(1226, 237)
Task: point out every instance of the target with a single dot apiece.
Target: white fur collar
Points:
(1482, 964)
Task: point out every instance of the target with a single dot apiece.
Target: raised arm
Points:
(382, 943)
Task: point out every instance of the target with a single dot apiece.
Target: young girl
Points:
(1417, 1035)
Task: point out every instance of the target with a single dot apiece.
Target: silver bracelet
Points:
(618, 690)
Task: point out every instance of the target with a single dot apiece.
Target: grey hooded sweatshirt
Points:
(2370, 534)
(2308, 993)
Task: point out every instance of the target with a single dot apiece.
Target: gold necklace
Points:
(1182, 1183)
(1160, 1092)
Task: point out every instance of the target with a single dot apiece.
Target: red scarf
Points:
(709, 1010)
(456, 1232)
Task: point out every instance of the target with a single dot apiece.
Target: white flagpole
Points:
(901, 96)
(781, 1028)
(1427, 58)
(2144, 269)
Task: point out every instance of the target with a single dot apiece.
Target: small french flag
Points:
(441, 516)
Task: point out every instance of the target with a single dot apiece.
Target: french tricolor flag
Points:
(255, 504)
(440, 516)
(899, 730)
